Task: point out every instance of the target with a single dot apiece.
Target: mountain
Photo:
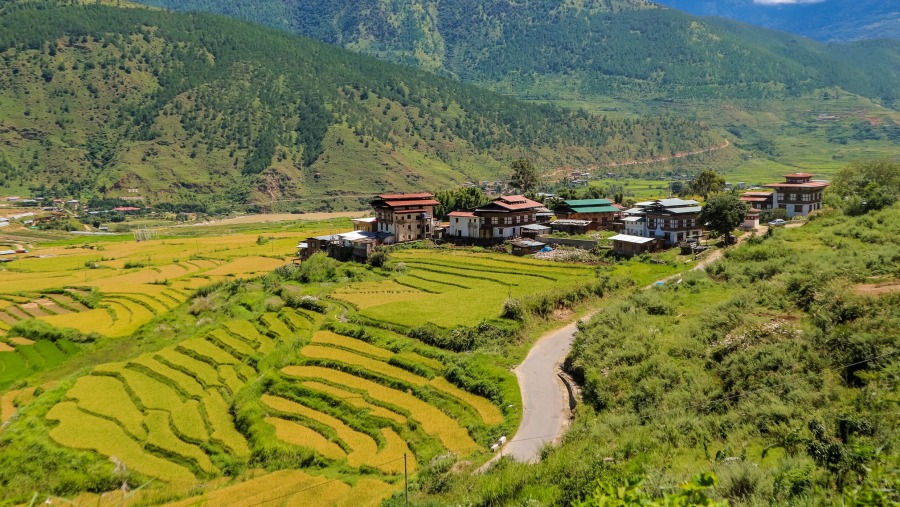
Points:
(554, 49)
(124, 102)
(825, 20)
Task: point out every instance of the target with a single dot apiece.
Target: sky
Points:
(786, 2)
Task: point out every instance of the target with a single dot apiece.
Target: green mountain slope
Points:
(606, 47)
(99, 100)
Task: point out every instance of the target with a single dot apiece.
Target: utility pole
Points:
(405, 480)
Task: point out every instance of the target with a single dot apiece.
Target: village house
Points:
(398, 218)
(407, 217)
(673, 220)
(503, 218)
(798, 195)
(600, 213)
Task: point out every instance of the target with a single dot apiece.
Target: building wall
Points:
(464, 227)
(636, 229)
(505, 225)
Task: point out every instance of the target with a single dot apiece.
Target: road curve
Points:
(545, 403)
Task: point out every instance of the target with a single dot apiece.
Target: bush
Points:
(310, 303)
(513, 309)
(35, 329)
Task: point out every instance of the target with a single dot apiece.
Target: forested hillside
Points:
(610, 47)
(99, 100)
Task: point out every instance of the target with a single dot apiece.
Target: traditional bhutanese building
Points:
(502, 218)
(601, 213)
(673, 220)
(408, 217)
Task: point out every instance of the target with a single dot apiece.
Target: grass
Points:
(271, 322)
(301, 436)
(222, 424)
(486, 410)
(201, 371)
(329, 338)
(188, 423)
(161, 437)
(433, 421)
(109, 439)
(107, 397)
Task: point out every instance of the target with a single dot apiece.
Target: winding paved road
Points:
(544, 398)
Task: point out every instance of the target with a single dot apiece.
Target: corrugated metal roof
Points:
(595, 209)
(689, 209)
(627, 238)
(588, 202)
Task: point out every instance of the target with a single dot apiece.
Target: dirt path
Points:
(655, 160)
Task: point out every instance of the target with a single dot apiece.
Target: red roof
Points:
(461, 214)
(516, 202)
(421, 202)
(389, 197)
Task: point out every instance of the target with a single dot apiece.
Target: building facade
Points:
(505, 216)
(406, 217)
(601, 213)
(797, 196)
(673, 220)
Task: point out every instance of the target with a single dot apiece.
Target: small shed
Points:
(624, 244)
(571, 226)
(532, 231)
(522, 247)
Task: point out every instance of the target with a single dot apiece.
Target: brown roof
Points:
(389, 197)
(461, 214)
(808, 184)
(516, 202)
(798, 175)
(756, 194)
(419, 202)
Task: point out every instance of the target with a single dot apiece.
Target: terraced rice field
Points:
(161, 275)
(448, 289)
(165, 406)
(20, 357)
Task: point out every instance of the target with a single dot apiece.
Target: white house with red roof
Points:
(408, 217)
(502, 218)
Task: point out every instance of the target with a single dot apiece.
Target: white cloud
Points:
(786, 2)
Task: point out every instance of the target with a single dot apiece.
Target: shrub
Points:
(513, 309)
(35, 329)
(311, 303)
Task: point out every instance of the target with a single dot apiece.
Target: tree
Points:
(866, 186)
(525, 176)
(723, 212)
(463, 198)
(705, 183)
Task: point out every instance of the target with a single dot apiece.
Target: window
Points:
(507, 220)
(792, 197)
(493, 220)
(780, 196)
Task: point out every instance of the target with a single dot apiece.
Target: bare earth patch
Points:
(19, 340)
(877, 289)
(562, 314)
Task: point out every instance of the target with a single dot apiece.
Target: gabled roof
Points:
(512, 203)
(587, 202)
(667, 203)
(400, 204)
(465, 214)
(798, 175)
(389, 197)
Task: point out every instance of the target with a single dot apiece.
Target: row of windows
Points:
(672, 223)
(817, 196)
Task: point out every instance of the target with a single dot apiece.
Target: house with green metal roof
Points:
(601, 213)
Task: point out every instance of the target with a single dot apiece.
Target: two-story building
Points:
(601, 213)
(502, 218)
(407, 217)
(673, 220)
(799, 195)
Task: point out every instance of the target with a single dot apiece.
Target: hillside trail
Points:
(655, 160)
(546, 403)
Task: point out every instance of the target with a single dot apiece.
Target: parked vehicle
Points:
(777, 223)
